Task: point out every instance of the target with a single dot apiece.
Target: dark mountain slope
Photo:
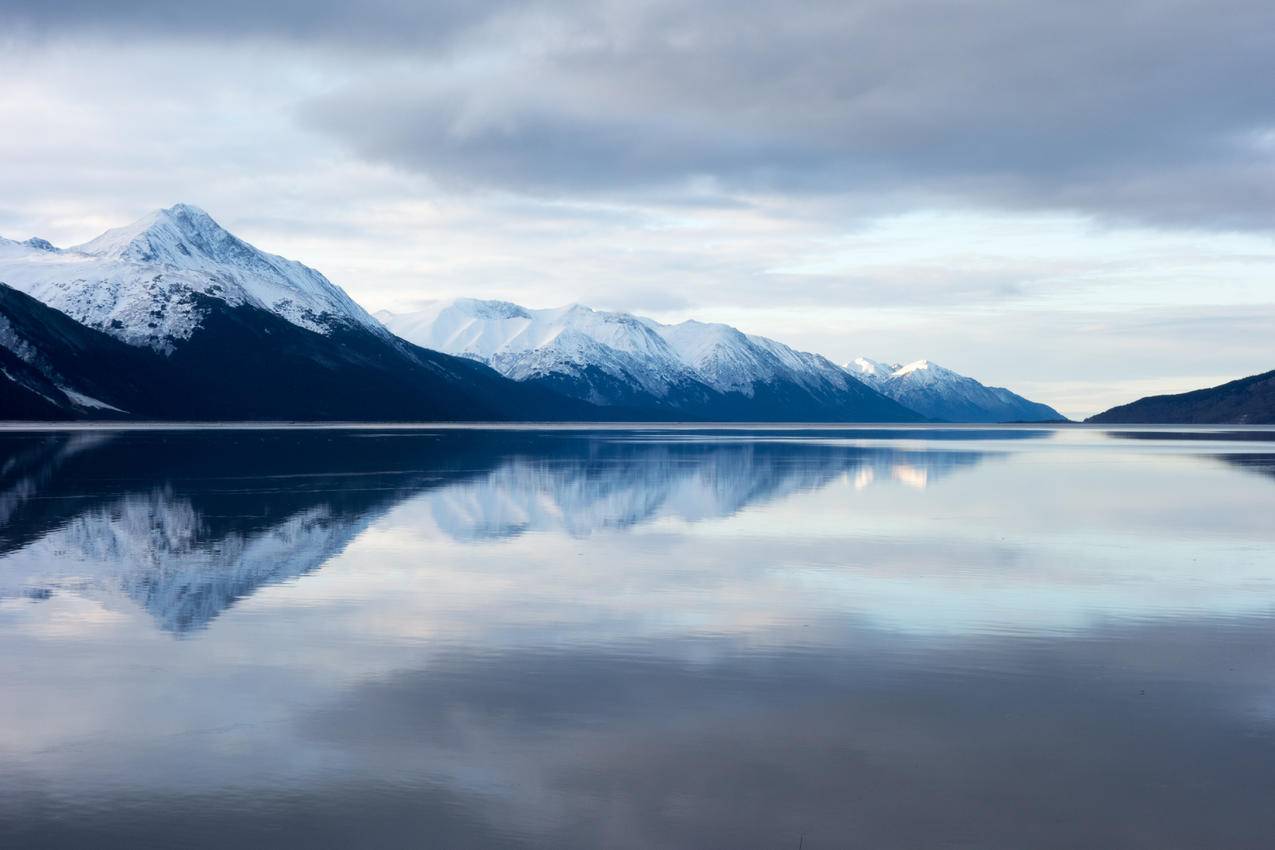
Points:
(248, 363)
(1248, 401)
(56, 368)
(772, 401)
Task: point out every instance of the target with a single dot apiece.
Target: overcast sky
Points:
(1074, 199)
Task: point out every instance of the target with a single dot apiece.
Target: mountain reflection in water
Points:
(187, 522)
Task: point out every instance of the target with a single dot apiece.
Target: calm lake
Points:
(645, 638)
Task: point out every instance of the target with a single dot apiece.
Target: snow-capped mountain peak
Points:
(870, 371)
(940, 393)
(173, 235)
(148, 282)
(927, 372)
(914, 366)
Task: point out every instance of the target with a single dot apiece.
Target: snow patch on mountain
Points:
(733, 361)
(82, 400)
(145, 283)
(871, 372)
(11, 340)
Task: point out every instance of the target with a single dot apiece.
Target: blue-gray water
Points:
(975, 638)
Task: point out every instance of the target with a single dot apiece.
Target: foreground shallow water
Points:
(976, 638)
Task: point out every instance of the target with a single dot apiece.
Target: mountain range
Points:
(173, 317)
(691, 370)
(694, 370)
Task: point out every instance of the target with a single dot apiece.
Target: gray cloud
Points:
(370, 23)
(1142, 111)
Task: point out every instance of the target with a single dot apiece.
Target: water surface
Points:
(637, 638)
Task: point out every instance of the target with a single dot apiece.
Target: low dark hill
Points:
(1248, 401)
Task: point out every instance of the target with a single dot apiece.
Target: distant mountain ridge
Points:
(942, 394)
(1247, 401)
(694, 368)
(691, 370)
